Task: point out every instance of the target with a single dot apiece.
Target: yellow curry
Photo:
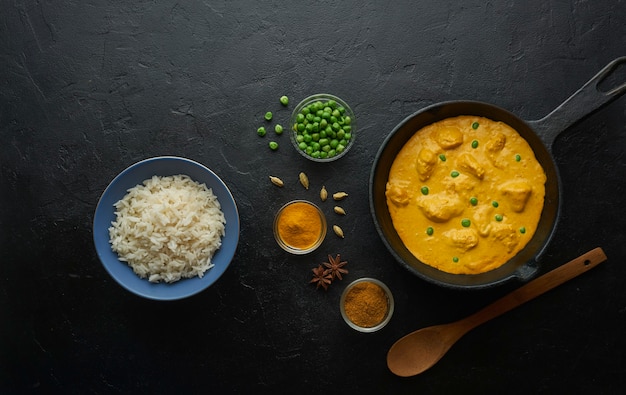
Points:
(465, 194)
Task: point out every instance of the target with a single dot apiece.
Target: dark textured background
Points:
(90, 87)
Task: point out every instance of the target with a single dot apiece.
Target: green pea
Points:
(430, 231)
(284, 100)
(273, 145)
(475, 125)
(268, 116)
(455, 259)
(518, 158)
(499, 217)
(473, 201)
(278, 129)
(475, 144)
(522, 230)
(302, 146)
(326, 124)
(442, 157)
(261, 131)
(494, 204)
(454, 174)
(424, 190)
(465, 223)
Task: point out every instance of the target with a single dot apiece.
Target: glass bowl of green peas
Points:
(322, 127)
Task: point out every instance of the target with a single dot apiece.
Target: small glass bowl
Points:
(383, 322)
(284, 244)
(322, 98)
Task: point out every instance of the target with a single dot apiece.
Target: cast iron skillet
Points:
(540, 134)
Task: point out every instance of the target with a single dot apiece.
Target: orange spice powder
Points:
(299, 225)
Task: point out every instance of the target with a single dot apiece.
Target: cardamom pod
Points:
(323, 194)
(276, 181)
(339, 210)
(304, 180)
(338, 231)
(339, 195)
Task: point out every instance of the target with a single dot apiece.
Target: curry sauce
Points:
(465, 194)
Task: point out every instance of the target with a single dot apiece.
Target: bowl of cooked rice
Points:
(166, 228)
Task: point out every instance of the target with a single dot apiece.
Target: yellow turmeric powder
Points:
(299, 225)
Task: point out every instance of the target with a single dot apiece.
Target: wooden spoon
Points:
(419, 350)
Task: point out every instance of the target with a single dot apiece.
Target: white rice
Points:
(168, 228)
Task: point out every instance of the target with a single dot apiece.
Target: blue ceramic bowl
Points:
(135, 175)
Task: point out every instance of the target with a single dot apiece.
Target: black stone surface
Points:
(91, 87)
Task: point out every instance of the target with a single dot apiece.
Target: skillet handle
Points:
(583, 102)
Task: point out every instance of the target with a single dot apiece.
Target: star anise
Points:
(321, 277)
(335, 266)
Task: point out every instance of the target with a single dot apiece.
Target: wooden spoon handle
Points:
(536, 287)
